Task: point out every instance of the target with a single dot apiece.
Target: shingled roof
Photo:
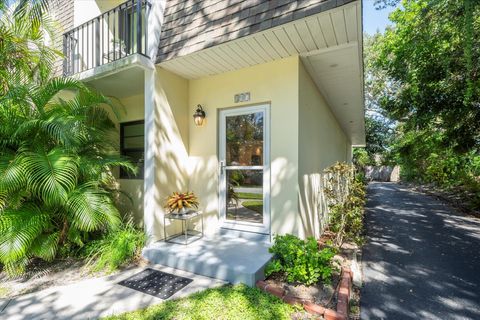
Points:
(192, 25)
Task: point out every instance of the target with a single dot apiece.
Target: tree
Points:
(379, 129)
(431, 57)
(57, 156)
(25, 55)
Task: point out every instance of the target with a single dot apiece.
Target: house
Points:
(280, 84)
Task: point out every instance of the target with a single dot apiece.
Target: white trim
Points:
(149, 189)
(131, 61)
(265, 227)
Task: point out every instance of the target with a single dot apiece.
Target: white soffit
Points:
(331, 38)
(338, 75)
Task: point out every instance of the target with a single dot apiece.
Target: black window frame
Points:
(124, 151)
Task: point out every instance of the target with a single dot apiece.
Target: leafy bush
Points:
(346, 199)
(426, 157)
(300, 260)
(57, 156)
(361, 158)
(116, 248)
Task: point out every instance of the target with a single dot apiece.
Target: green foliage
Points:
(24, 54)
(424, 73)
(378, 135)
(238, 302)
(255, 205)
(247, 195)
(56, 155)
(430, 62)
(346, 208)
(425, 157)
(361, 158)
(56, 166)
(117, 248)
(272, 267)
(300, 260)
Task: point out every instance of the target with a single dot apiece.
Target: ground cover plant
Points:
(229, 302)
(116, 248)
(300, 260)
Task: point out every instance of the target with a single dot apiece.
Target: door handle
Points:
(222, 167)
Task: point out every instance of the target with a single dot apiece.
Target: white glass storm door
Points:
(244, 155)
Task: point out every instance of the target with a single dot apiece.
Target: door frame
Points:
(265, 227)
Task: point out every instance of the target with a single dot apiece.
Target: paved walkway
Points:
(93, 298)
(422, 260)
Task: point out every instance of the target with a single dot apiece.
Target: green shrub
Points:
(58, 153)
(300, 260)
(346, 219)
(116, 248)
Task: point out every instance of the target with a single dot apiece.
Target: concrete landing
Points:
(228, 258)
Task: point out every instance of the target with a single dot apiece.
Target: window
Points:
(132, 137)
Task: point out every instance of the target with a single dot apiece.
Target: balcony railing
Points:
(115, 34)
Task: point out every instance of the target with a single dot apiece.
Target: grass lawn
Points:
(228, 303)
(254, 205)
(245, 195)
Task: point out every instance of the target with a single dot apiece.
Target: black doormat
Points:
(156, 283)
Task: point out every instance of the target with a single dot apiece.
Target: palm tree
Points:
(24, 52)
(57, 150)
(56, 170)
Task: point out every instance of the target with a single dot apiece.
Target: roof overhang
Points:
(329, 45)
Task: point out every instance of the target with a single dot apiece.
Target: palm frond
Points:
(32, 9)
(90, 208)
(12, 174)
(45, 246)
(42, 95)
(18, 230)
(50, 176)
(100, 167)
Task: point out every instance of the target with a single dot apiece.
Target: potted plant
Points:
(181, 202)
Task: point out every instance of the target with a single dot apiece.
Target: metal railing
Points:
(113, 35)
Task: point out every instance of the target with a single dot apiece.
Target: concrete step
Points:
(223, 257)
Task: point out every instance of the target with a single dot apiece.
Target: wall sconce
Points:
(199, 116)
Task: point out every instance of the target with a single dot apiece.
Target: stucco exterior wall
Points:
(170, 145)
(131, 109)
(321, 143)
(275, 83)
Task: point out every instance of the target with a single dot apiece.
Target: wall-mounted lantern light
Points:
(199, 116)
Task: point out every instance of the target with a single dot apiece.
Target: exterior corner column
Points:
(150, 192)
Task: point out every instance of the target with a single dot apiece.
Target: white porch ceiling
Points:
(125, 83)
(329, 44)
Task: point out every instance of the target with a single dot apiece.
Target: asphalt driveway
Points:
(421, 260)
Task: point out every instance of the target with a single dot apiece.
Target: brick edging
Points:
(342, 299)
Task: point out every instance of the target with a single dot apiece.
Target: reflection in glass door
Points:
(244, 169)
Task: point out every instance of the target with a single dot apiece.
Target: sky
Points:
(373, 19)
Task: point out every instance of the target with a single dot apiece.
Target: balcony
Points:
(116, 34)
